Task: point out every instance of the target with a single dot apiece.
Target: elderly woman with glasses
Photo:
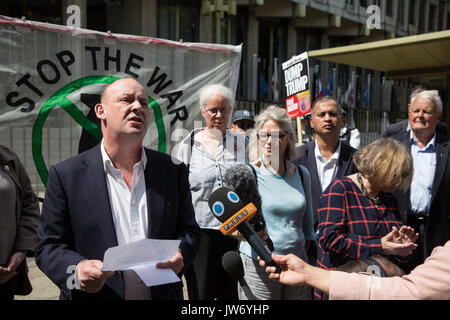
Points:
(285, 202)
(208, 153)
(358, 213)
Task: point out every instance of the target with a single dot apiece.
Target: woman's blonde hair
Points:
(280, 116)
(385, 162)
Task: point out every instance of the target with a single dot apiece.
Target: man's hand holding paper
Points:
(176, 263)
(90, 275)
(155, 261)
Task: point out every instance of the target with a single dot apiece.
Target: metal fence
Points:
(58, 144)
(370, 123)
(62, 142)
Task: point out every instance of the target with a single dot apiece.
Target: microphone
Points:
(242, 180)
(227, 207)
(232, 263)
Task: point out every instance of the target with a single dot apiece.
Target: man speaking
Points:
(113, 194)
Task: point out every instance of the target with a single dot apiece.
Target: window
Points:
(96, 16)
(276, 29)
(363, 3)
(179, 20)
(389, 8)
(441, 16)
(401, 14)
(448, 22)
(189, 20)
(238, 36)
(412, 12)
(421, 16)
(37, 10)
(432, 18)
(167, 13)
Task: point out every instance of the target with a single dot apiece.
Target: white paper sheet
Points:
(153, 276)
(142, 257)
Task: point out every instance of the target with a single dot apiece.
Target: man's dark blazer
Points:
(438, 226)
(307, 158)
(398, 127)
(77, 222)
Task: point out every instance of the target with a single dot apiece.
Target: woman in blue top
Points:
(286, 202)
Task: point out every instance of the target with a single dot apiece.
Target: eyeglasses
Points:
(244, 125)
(264, 136)
(215, 111)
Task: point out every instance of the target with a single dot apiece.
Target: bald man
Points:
(113, 194)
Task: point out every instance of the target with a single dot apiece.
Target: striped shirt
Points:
(207, 173)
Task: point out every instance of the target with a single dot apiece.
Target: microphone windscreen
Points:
(224, 203)
(240, 179)
(232, 263)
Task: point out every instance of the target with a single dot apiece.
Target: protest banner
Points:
(51, 77)
(296, 81)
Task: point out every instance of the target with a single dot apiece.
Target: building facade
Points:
(271, 31)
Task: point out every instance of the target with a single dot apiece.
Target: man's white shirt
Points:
(130, 215)
(326, 170)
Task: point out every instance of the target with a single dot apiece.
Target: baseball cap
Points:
(242, 115)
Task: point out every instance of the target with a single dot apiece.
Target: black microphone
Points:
(232, 263)
(227, 207)
(242, 180)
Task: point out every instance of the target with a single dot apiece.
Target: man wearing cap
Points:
(241, 121)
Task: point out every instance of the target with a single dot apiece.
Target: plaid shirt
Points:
(350, 226)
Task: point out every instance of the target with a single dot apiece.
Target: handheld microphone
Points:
(242, 180)
(227, 207)
(232, 263)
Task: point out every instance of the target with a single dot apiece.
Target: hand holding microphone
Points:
(228, 208)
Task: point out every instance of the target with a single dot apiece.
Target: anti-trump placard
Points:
(296, 81)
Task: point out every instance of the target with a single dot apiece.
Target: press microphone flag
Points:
(239, 217)
(227, 207)
(223, 202)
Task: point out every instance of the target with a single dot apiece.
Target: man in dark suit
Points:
(403, 125)
(115, 193)
(426, 205)
(326, 158)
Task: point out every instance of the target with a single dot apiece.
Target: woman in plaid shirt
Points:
(357, 213)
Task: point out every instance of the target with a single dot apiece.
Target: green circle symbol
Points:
(59, 98)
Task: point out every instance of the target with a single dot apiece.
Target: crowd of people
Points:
(331, 208)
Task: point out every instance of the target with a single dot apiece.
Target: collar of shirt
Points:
(108, 165)
(321, 158)
(431, 146)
